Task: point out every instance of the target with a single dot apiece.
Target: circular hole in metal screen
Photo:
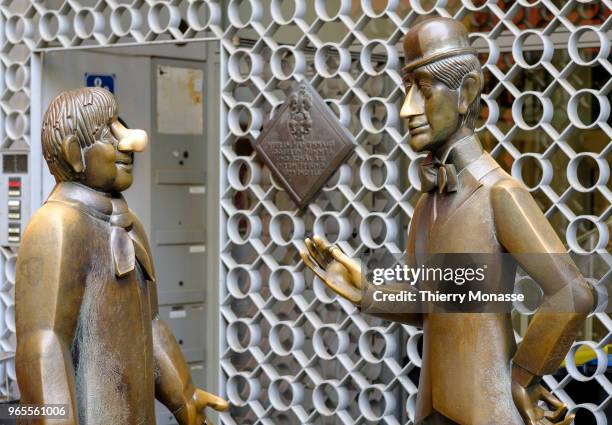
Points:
(533, 48)
(282, 339)
(281, 393)
(588, 108)
(121, 20)
(532, 110)
(15, 28)
(327, 61)
(241, 12)
(587, 37)
(377, 172)
(531, 172)
(16, 76)
(331, 227)
(329, 342)
(584, 234)
(287, 63)
(240, 281)
(244, 174)
(198, 15)
(377, 229)
(239, 336)
(373, 346)
(533, 296)
(373, 403)
(587, 171)
(241, 390)
(244, 64)
(159, 17)
(375, 115)
(16, 125)
(84, 23)
(244, 227)
(49, 25)
(241, 120)
(589, 415)
(282, 284)
(331, 397)
(284, 10)
(587, 369)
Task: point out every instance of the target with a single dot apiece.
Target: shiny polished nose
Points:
(414, 103)
(130, 140)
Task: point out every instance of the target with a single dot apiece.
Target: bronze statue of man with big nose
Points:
(88, 331)
(472, 371)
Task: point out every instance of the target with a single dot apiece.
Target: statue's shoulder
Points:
(498, 180)
(509, 194)
(53, 223)
(54, 215)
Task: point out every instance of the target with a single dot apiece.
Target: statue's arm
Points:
(173, 385)
(48, 294)
(392, 311)
(397, 312)
(525, 232)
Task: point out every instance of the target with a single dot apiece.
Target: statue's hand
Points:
(527, 399)
(339, 272)
(193, 412)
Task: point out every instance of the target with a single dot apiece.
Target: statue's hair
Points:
(83, 113)
(451, 71)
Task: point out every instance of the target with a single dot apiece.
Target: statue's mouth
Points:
(125, 163)
(418, 128)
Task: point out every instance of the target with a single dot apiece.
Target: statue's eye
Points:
(425, 88)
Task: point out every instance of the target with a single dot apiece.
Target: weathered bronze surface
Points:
(304, 144)
(88, 331)
(473, 373)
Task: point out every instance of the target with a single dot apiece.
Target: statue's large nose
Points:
(130, 140)
(414, 103)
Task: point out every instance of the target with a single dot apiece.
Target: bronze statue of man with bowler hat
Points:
(88, 331)
(472, 372)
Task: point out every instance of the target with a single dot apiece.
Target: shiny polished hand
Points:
(193, 412)
(526, 401)
(340, 273)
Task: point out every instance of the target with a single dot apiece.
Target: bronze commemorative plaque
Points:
(304, 144)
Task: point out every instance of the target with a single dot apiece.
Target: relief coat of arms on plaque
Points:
(304, 144)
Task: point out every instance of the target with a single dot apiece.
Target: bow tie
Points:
(436, 175)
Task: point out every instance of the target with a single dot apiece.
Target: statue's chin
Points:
(122, 183)
(420, 142)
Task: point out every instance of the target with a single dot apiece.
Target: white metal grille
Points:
(291, 352)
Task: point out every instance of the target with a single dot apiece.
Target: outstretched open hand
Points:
(194, 412)
(339, 272)
(527, 399)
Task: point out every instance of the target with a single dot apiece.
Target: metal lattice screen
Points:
(292, 352)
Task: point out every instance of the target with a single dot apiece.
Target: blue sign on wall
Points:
(106, 81)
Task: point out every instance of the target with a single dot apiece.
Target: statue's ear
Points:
(73, 154)
(470, 89)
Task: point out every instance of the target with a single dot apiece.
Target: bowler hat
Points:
(435, 39)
